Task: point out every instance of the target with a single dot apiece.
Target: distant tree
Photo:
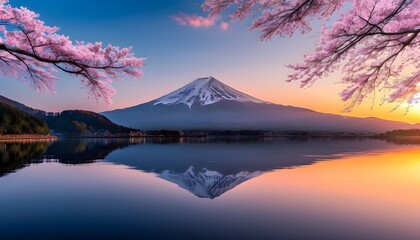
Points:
(375, 42)
(33, 51)
(403, 133)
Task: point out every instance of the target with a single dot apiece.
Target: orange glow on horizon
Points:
(324, 98)
(375, 175)
(377, 188)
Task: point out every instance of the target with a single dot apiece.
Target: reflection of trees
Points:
(404, 141)
(79, 151)
(17, 155)
(227, 140)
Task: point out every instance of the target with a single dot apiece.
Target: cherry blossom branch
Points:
(374, 43)
(33, 51)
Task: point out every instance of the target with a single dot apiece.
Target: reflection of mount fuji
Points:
(210, 169)
(205, 183)
(206, 168)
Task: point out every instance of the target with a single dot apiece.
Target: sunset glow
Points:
(227, 51)
(210, 119)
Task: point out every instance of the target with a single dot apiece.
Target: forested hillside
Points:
(14, 121)
(77, 122)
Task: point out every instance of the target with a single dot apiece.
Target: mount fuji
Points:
(208, 104)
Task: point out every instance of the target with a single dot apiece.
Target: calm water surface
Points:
(210, 189)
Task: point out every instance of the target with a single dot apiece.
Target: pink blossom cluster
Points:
(375, 43)
(33, 51)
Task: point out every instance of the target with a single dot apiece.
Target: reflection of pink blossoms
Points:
(375, 42)
(33, 51)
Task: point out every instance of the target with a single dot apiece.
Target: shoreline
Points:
(27, 137)
(53, 137)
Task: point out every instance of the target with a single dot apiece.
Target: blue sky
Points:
(176, 55)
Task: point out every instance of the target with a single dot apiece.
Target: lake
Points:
(210, 189)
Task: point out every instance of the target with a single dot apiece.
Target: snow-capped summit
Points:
(205, 91)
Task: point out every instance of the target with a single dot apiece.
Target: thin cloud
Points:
(194, 20)
(224, 26)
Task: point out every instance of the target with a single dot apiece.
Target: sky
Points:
(178, 53)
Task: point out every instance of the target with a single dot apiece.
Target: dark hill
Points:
(78, 122)
(72, 122)
(14, 121)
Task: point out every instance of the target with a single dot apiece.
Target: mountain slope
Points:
(14, 121)
(77, 122)
(22, 107)
(208, 104)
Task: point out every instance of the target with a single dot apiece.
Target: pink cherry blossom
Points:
(375, 43)
(33, 51)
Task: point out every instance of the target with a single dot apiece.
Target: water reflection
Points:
(210, 168)
(206, 183)
(324, 189)
(17, 155)
(405, 141)
(205, 167)
(80, 151)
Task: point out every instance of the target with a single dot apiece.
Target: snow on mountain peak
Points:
(205, 91)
